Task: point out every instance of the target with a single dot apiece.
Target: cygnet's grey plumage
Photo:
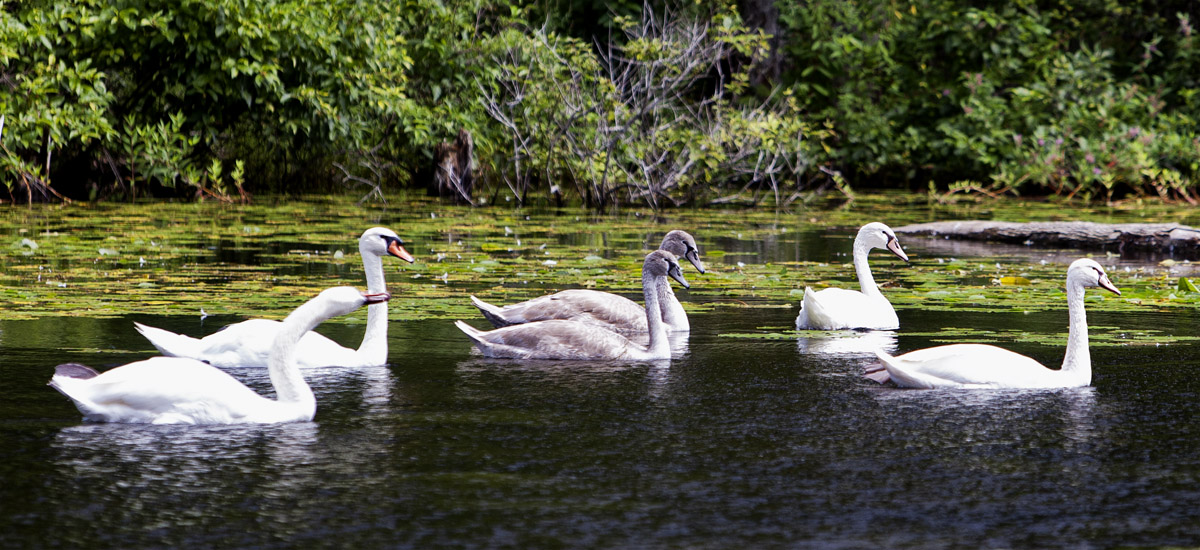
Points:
(561, 339)
(597, 308)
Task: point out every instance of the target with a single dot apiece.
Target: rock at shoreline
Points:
(1172, 239)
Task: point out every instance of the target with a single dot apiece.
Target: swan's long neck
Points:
(673, 314)
(865, 280)
(373, 349)
(653, 289)
(290, 386)
(1078, 360)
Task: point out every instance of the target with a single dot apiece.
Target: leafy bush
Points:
(125, 97)
(652, 118)
(1028, 97)
(150, 90)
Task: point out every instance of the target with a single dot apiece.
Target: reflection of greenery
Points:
(115, 259)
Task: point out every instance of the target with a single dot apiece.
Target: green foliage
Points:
(154, 89)
(443, 41)
(653, 118)
(621, 102)
(1030, 97)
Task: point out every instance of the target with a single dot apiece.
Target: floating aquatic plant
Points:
(264, 259)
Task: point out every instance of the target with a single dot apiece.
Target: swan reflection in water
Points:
(566, 376)
(846, 342)
(677, 340)
(376, 385)
(172, 471)
(973, 415)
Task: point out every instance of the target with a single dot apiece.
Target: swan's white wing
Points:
(244, 344)
(963, 365)
(171, 388)
(248, 344)
(838, 308)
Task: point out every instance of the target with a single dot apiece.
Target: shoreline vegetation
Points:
(658, 105)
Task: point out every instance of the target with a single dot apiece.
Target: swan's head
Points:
(682, 245)
(878, 235)
(661, 263)
(381, 241)
(1088, 273)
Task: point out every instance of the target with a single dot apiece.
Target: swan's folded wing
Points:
(156, 385)
(553, 339)
(586, 306)
(977, 365)
(247, 337)
(838, 308)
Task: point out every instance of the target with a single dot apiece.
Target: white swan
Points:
(560, 339)
(983, 366)
(248, 343)
(601, 309)
(838, 308)
(176, 390)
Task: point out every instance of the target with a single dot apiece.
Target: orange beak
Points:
(1107, 285)
(398, 251)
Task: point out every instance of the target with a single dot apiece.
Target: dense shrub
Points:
(600, 102)
(653, 117)
(136, 91)
(1062, 97)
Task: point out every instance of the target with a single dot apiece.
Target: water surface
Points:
(765, 439)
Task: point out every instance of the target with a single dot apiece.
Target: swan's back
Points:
(553, 339)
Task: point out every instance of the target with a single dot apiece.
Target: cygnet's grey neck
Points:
(653, 291)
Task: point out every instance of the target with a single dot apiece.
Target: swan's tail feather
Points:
(67, 379)
(877, 372)
(493, 314)
(75, 370)
(811, 315)
(169, 343)
(471, 332)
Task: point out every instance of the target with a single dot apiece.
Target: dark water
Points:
(756, 443)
